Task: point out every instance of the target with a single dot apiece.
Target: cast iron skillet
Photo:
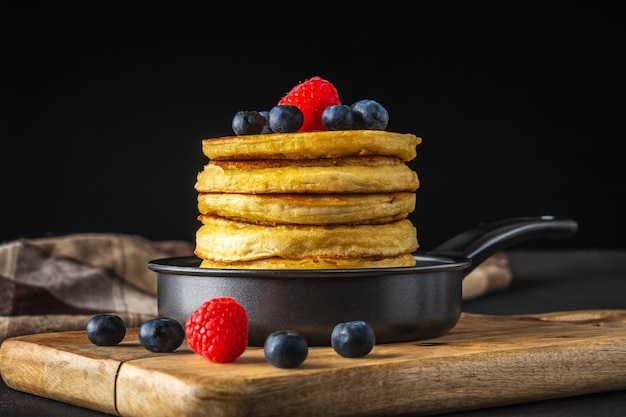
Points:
(401, 304)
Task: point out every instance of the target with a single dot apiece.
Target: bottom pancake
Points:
(323, 263)
(225, 240)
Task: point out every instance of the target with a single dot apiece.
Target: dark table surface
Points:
(543, 281)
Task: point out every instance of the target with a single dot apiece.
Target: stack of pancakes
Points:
(307, 200)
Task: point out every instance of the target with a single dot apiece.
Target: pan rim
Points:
(189, 265)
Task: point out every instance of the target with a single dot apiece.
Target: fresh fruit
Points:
(105, 329)
(353, 339)
(218, 330)
(320, 108)
(312, 97)
(285, 118)
(248, 122)
(162, 334)
(337, 117)
(285, 349)
(369, 114)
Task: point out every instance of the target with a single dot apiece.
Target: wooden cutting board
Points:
(484, 361)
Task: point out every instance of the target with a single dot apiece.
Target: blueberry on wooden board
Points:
(163, 334)
(353, 339)
(106, 329)
(285, 349)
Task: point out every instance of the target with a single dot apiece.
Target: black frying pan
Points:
(401, 304)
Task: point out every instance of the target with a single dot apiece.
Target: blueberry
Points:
(285, 118)
(338, 117)
(161, 335)
(369, 114)
(285, 349)
(353, 339)
(247, 122)
(266, 122)
(106, 329)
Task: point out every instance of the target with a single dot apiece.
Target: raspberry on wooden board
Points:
(218, 330)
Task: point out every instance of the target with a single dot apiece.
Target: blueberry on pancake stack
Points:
(310, 184)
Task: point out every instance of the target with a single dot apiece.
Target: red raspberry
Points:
(312, 97)
(218, 330)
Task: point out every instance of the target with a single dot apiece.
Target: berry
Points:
(337, 117)
(369, 114)
(285, 349)
(218, 330)
(266, 122)
(353, 339)
(106, 329)
(285, 118)
(312, 97)
(161, 335)
(247, 122)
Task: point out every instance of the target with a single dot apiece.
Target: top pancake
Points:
(313, 145)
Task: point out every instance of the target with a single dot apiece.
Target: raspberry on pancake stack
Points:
(326, 187)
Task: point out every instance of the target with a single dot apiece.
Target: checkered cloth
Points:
(59, 283)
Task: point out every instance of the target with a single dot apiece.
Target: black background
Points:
(521, 108)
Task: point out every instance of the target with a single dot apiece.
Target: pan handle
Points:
(486, 239)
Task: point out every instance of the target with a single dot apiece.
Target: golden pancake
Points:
(313, 145)
(309, 208)
(225, 240)
(345, 175)
(319, 263)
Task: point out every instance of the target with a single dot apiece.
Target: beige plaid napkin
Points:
(57, 284)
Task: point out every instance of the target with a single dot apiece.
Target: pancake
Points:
(344, 175)
(320, 263)
(310, 209)
(313, 145)
(225, 240)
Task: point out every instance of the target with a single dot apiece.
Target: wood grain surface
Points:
(484, 361)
